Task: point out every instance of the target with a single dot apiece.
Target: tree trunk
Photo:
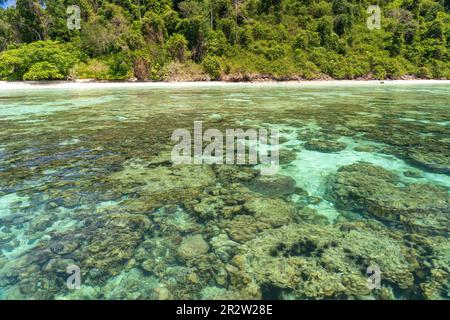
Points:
(212, 16)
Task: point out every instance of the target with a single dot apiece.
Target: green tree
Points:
(43, 71)
(34, 57)
(177, 48)
(153, 28)
(33, 20)
(212, 66)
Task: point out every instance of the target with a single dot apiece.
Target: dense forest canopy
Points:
(224, 39)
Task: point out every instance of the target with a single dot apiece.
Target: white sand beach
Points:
(92, 85)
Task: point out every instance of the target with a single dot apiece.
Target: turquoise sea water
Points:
(86, 179)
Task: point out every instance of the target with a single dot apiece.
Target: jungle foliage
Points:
(226, 39)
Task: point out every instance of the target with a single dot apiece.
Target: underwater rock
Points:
(314, 200)
(162, 293)
(161, 185)
(57, 247)
(309, 215)
(276, 185)
(130, 285)
(283, 140)
(410, 144)
(365, 148)
(219, 202)
(215, 117)
(14, 219)
(209, 207)
(58, 265)
(273, 211)
(41, 222)
(139, 177)
(223, 247)
(243, 228)
(412, 174)
(433, 161)
(287, 156)
(114, 240)
(67, 200)
(343, 131)
(164, 158)
(434, 259)
(230, 173)
(148, 265)
(372, 189)
(52, 205)
(174, 219)
(109, 195)
(6, 237)
(212, 293)
(325, 146)
(265, 213)
(155, 254)
(308, 135)
(314, 262)
(371, 170)
(64, 245)
(192, 247)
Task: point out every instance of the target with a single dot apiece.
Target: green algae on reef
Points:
(86, 179)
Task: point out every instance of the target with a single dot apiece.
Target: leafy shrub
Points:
(153, 28)
(301, 40)
(321, 9)
(120, 66)
(379, 72)
(134, 38)
(440, 69)
(263, 31)
(216, 43)
(212, 66)
(15, 63)
(98, 39)
(6, 34)
(229, 28)
(305, 68)
(92, 69)
(43, 71)
(271, 50)
(176, 47)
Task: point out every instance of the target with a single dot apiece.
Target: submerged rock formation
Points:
(306, 261)
(373, 190)
(325, 145)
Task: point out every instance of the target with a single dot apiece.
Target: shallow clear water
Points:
(86, 180)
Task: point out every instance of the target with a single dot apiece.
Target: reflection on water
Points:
(86, 179)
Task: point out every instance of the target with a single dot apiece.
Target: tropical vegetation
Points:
(224, 39)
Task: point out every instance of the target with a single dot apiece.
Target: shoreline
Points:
(92, 85)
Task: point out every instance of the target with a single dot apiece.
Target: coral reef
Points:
(311, 261)
(193, 247)
(276, 185)
(287, 156)
(372, 189)
(93, 185)
(327, 146)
